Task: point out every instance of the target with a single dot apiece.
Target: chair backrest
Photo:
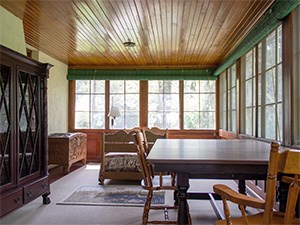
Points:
(286, 162)
(146, 167)
(151, 135)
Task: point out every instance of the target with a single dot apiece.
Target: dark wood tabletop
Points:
(241, 159)
(242, 151)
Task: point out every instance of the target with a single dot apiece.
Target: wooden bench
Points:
(119, 156)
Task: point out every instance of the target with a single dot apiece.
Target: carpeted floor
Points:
(35, 213)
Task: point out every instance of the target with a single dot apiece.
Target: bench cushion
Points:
(122, 162)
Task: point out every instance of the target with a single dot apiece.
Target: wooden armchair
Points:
(152, 183)
(286, 162)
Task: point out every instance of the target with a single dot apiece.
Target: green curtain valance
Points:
(279, 10)
(97, 74)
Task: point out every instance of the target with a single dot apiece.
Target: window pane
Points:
(191, 102)
(199, 107)
(259, 125)
(207, 102)
(172, 120)
(259, 90)
(279, 44)
(233, 121)
(81, 120)
(249, 66)
(279, 122)
(89, 104)
(132, 102)
(248, 121)
(207, 86)
(98, 120)
(117, 86)
(270, 122)
(82, 103)
(259, 60)
(207, 120)
(191, 120)
(171, 86)
(155, 86)
(97, 103)
(248, 93)
(132, 119)
(171, 102)
(125, 96)
(82, 86)
(191, 86)
(163, 104)
(155, 119)
(155, 102)
(270, 51)
(279, 83)
(97, 86)
(270, 86)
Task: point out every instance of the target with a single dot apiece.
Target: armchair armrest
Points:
(238, 198)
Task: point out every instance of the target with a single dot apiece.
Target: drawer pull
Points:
(29, 194)
(17, 200)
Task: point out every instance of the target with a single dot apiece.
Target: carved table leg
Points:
(183, 209)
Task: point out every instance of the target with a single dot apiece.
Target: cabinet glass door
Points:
(29, 124)
(5, 125)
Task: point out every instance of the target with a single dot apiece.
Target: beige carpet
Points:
(35, 213)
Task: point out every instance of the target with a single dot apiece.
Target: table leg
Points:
(183, 209)
(242, 187)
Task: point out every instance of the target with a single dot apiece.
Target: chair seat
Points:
(160, 182)
(278, 218)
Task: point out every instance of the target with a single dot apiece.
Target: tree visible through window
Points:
(199, 104)
(163, 104)
(89, 104)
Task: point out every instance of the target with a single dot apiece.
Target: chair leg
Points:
(147, 207)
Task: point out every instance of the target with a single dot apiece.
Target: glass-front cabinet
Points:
(23, 130)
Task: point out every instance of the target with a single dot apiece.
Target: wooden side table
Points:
(67, 148)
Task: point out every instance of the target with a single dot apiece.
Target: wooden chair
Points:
(286, 162)
(151, 135)
(152, 183)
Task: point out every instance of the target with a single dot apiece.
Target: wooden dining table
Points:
(241, 159)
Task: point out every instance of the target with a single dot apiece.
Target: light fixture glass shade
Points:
(114, 111)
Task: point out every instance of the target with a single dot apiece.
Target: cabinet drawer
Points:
(10, 201)
(36, 189)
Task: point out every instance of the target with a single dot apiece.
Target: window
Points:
(232, 98)
(199, 104)
(270, 86)
(296, 80)
(223, 101)
(163, 104)
(89, 104)
(263, 65)
(125, 96)
(171, 104)
(249, 95)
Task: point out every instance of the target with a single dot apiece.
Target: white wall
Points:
(12, 36)
(57, 95)
(11, 32)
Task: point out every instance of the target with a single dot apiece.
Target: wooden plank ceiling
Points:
(167, 33)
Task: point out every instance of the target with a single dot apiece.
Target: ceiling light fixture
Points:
(129, 44)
